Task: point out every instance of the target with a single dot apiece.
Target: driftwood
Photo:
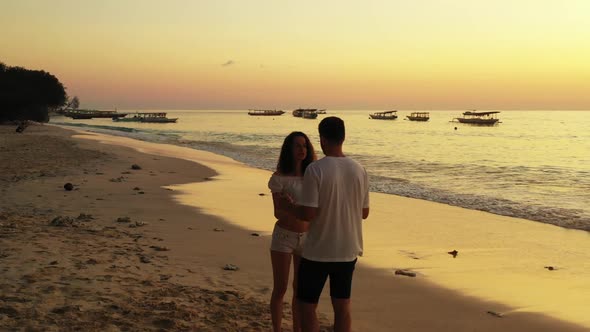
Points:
(406, 273)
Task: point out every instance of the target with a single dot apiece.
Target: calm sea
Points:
(533, 165)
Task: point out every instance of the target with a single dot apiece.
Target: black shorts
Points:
(313, 275)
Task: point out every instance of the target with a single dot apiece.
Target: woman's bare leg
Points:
(281, 264)
(295, 303)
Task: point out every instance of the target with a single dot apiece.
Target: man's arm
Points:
(365, 213)
(366, 199)
(308, 213)
(302, 212)
(311, 196)
(285, 207)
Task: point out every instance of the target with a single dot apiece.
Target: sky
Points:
(334, 54)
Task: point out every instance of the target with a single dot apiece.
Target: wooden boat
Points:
(89, 114)
(418, 116)
(321, 111)
(310, 114)
(150, 117)
(265, 112)
(135, 118)
(157, 118)
(300, 111)
(387, 115)
(479, 118)
(80, 116)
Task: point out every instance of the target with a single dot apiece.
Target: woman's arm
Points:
(281, 207)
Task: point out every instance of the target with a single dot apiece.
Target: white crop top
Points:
(292, 185)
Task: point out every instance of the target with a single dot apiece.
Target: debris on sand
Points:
(61, 221)
(495, 314)
(231, 267)
(405, 273)
(124, 219)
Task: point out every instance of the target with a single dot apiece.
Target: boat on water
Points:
(158, 118)
(89, 114)
(418, 116)
(151, 117)
(265, 112)
(479, 118)
(298, 113)
(387, 115)
(310, 114)
(321, 111)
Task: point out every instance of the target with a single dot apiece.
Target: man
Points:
(335, 201)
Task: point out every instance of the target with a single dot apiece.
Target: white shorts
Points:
(286, 241)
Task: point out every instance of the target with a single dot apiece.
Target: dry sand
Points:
(163, 268)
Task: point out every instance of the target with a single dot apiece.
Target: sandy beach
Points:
(145, 248)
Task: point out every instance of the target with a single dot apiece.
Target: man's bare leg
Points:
(342, 315)
(309, 318)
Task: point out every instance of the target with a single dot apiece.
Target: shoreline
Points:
(381, 301)
(503, 197)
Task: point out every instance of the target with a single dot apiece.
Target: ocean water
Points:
(533, 165)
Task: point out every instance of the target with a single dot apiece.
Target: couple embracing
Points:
(320, 206)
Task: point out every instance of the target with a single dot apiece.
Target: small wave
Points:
(563, 217)
(84, 125)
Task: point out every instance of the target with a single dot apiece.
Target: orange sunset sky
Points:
(222, 54)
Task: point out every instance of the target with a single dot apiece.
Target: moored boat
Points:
(151, 117)
(159, 117)
(300, 111)
(479, 118)
(265, 112)
(310, 114)
(89, 114)
(418, 116)
(387, 115)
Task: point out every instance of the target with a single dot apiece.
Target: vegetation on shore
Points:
(29, 94)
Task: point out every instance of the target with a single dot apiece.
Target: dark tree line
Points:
(28, 94)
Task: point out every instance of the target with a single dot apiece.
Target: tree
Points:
(28, 94)
(74, 103)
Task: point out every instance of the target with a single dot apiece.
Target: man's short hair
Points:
(332, 129)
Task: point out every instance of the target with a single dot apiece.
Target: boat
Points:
(80, 116)
(159, 117)
(265, 112)
(134, 118)
(479, 118)
(387, 115)
(321, 111)
(150, 117)
(418, 116)
(89, 114)
(310, 114)
(300, 111)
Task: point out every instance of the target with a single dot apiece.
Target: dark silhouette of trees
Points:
(74, 103)
(28, 94)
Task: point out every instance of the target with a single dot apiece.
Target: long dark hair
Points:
(286, 164)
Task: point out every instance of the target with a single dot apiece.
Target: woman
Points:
(289, 232)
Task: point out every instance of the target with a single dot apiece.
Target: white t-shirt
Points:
(339, 187)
